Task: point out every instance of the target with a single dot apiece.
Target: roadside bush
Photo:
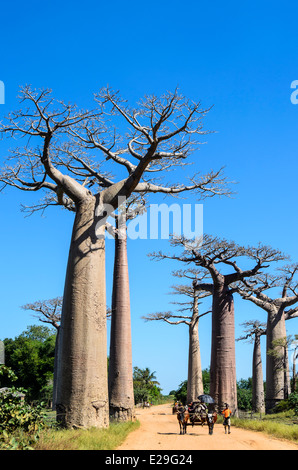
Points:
(290, 404)
(20, 423)
(293, 402)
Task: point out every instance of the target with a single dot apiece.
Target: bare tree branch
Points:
(255, 288)
(48, 311)
(66, 148)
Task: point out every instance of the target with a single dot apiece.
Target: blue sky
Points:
(239, 57)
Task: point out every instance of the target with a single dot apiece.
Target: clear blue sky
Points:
(240, 57)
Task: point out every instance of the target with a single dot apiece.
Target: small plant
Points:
(20, 423)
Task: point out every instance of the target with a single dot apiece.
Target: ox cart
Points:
(199, 415)
(196, 413)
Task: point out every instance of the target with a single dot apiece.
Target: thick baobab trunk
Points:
(223, 386)
(120, 377)
(258, 399)
(195, 378)
(82, 395)
(275, 365)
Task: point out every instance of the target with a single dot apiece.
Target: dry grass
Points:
(91, 439)
(276, 425)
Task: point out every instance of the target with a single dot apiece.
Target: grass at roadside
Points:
(91, 439)
(279, 425)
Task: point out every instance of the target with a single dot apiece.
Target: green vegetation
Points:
(146, 386)
(244, 394)
(181, 393)
(20, 423)
(31, 356)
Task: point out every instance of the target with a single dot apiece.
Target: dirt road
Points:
(159, 430)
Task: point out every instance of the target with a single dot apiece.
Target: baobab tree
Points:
(195, 385)
(254, 330)
(275, 307)
(120, 375)
(294, 344)
(210, 253)
(67, 155)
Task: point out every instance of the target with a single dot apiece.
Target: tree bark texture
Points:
(223, 387)
(120, 378)
(275, 366)
(82, 394)
(55, 385)
(258, 399)
(287, 378)
(195, 378)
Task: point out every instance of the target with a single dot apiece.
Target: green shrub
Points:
(290, 404)
(20, 423)
(293, 402)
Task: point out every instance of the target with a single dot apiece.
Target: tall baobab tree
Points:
(294, 344)
(254, 330)
(254, 291)
(210, 253)
(66, 155)
(120, 375)
(195, 385)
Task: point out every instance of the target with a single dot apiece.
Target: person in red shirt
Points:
(227, 418)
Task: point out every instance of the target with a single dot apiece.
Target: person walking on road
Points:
(227, 418)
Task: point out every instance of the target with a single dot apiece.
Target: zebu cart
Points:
(199, 414)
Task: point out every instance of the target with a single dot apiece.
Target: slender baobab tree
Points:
(68, 154)
(254, 290)
(254, 330)
(120, 375)
(294, 344)
(195, 379)
(211, 253)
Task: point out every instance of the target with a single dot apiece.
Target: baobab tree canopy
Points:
(71, 154)
(67, 149)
